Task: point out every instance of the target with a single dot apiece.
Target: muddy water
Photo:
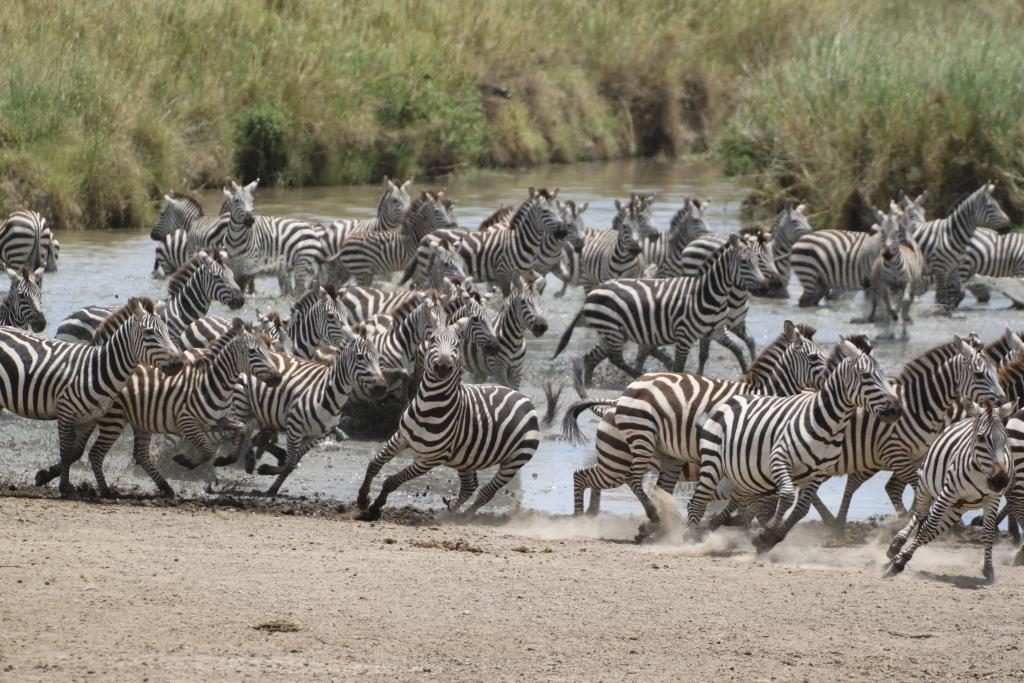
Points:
(106, 267)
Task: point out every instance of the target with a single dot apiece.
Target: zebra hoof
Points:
(369, 515)
(892, 570)
(225, 461)
(184, 461)
(69, 493)
(894, 548)
(648, 531)
(989, 573)
(167, 492)
(766, 540)
(266, 469)
(43, 477)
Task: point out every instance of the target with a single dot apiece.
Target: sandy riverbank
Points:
(138, 590)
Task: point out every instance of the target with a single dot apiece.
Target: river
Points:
(102, 267)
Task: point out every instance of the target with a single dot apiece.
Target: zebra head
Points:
(258, 361)
(427, 316)
(24, 301)
(524, 304)
(763, 248)
(990, 444)
(790, 225)
(802, 358)
(540, 213)
(276, 330)
(861, 382)
(687, 224)
(572, 218)
(319, 317)
(358, 364)
(445, 264)
(974, 374)
(478, 329)
(218, 282)
(239, 203)
(982, 209)
(912, 207)
(442, 359)
(244, 351)
(177, 213)
(149, 334)
(643, 206)
(627, 224)
(742, 260)
(394, 202)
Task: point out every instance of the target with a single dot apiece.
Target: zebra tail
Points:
(551, 393)
(564, 341)
(570, 429)
(33, 256)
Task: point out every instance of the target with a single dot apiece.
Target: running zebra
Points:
(436, 260)
(993, 255)
(550, 256)
(687, 224)
(830, 262)
(966, 468)
(1015, 492)
(497, 254)
(306, 405)
(897, 275)
(521, 310)
(203, 279)
(191, 403)
(23, 305)
(657, 419)
(397, 346)
(381, 253)
(26, 240)
(945, 242)
(393, 204)
(50, 379)
(654, 313)
(790, 225)
(759, 449)
(929, 388)
(289, 248)
(202, 333)
(465, 427)
(182, 229)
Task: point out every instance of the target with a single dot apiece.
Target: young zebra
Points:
(465, 427)
(790, 225)
(658, 417)
(897, 275)
(383, 252)
(289, 248)
(26, 240)
(687, 224)
(23, 305)
(944, 242)
(759, 449)
(190, 403)
(497, 254)
(966, 468)
(393, 204)
(203, 279)
(929, 387)
(181, 230)
(653, 313)
(50, 379)
(306, 405)
(519, 311)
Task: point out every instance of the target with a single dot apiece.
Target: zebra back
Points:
(25, 240)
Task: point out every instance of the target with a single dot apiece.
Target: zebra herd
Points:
(946, 425)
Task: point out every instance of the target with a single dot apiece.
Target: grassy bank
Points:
(827, 103)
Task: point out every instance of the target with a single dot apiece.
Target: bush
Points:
(261, 147)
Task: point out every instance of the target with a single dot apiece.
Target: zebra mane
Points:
(274, 318)
(188, 198)
(183, 274)
(415, 205)
(768, 353)
(113, 322)
(501, 215)
(312, 296)
(861, 341)
(926, 362)
(220, 343)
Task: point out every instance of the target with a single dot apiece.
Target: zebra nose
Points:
(491, 348)
(38, 323)
(654, 236)
(443, 367)
(236, 301)
(998, 480)
(891, 411)
(378, 388)
(248, 220)
(171, 366)
(539, 328)
(272, 379)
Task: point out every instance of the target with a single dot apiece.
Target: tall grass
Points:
(107, 104)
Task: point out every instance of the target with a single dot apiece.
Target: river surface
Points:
(104, 267)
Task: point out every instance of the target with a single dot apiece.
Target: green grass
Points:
(814, 99)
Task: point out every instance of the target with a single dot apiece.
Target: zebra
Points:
(50, 379)
(190, 403)
(26, 240)
(993, 255)
(686, 225)
(828, 262)
(966, 468)
(497, 254)
(203, 332)
(466, 427)
(657, 312)
(435, 260)
(928, 387)
(398, 345)
(757, 449)
(306, 405)
(520, 311)
(896, 277)
(500, 218)
(1015, 493)
(23, 305)
(393, 204)
(182, 229)
(944, 242)
(203, 279)
(258, 244)
(387, 251)
(659, 416)
(550, 255)
(789, 226)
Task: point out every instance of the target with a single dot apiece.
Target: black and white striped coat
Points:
(50, 379)
(755, 449)
(654, 313)
(26, 240)
(829, 262)
(897, 275)
(182, 229)
(657, 418)
(394, 202)
(306, 405)
(191, 403)
(465, 427)
(686, 225)
(520, 311)
(288, 248)
(23, 305)
(966, 468)
(206, 330)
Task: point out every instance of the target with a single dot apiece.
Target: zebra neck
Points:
(832, 409)
(927, 397)
(217, 380)
(550, 249)
(718, 281)
(510, 325)
(116, 358)
(435, 390)
(965, 219)
(9, 312)
(184, 308)
(774, 380)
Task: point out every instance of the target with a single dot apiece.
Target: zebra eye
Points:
(360, 357)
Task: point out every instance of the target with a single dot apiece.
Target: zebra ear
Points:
(531, 191)
(582, 207)
(965, 349)
(733, 240)
(407, 184)
(618, 205)
(13, 274)
(235, 186)
(971, 409)
(227, 192)
(555, 193)
(921, 198)
(251, 187)
(168, 199)
(37, 274)
(237, 325)
(789, 329)
(1007, 409)
(848, 349)
(1014, 341)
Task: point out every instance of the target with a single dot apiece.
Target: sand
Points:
(143, 591)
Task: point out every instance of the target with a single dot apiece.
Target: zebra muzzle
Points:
(539, 328)
(236, 301)
(38, 323)
(271, 379)
(172, 366)
(891, 411)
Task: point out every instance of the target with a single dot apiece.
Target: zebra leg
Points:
(740, 330)
(894, 489)
(616, 359)
(773, 531)
(72, 444)
(808, 492)
(590, 362)
(707, 485)
(827, 518)
(109, 432)
(468, 484)
(723, 517)
(1015, 502)
(416, 469)
(284, 282)
(988, 536)
(853, 482)
(392, 447)
(920, 511)
(669, 470)
(504, 475)
(703, 353)
(298, 445)
(725, 339)
(980, 292)
(812, 294)
(942, 516)
(635, 480)
(644, 352)
(140, 454)
(679, 360)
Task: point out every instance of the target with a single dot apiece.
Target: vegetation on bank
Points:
(105, 105)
